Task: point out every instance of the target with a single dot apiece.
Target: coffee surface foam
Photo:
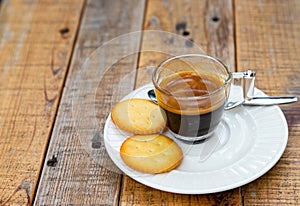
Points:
(188, 93)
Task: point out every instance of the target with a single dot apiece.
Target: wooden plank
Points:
(36, 41)
(81, 173)
(268, 40)
(210, 25)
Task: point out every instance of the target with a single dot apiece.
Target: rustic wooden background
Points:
(43, 45)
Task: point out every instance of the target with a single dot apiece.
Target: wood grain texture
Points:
(34, 57)
(81, 173)
(209, 24)
(268, 40)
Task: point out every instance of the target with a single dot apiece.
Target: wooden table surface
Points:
(43, 45)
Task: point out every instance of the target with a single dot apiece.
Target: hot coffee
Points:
(192, 101)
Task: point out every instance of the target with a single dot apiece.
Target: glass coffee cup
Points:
(192, 90)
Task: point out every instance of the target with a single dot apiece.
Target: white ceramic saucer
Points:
(248, 142)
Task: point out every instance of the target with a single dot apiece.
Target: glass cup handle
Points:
(242, 88)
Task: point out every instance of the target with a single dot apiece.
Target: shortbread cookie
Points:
(138, 116)
(151, 153)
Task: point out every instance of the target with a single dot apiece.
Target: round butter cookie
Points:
(154, 153)
(138, 116)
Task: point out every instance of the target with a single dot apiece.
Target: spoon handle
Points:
(264, 101)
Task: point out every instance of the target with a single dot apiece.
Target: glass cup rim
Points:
(227, 80)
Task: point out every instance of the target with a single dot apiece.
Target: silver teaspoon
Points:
(254, 101)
